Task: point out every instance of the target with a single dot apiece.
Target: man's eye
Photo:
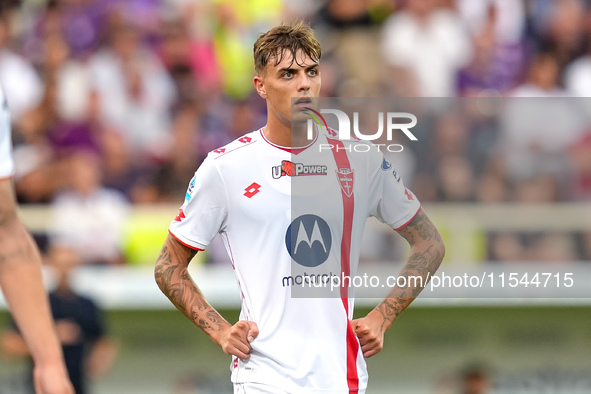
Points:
(313, 73)
(288, 74)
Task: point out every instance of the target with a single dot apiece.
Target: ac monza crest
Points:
(345, 176)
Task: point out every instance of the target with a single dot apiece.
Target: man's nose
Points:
(303, 82)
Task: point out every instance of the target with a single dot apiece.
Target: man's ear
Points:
(259, 85)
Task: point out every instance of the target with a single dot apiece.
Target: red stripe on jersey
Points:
(187, 245)
(342, 162)
(295, 151)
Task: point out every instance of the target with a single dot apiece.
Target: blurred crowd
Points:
(116, 103)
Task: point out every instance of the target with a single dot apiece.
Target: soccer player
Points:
(245, 192)
(21, 280)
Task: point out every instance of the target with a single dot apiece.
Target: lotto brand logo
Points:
(221, 150)
(308, 240)
(296, 169)
(252, 189)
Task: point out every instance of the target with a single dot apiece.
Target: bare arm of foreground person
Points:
(426, 253)
(22, 285)
(172, 276)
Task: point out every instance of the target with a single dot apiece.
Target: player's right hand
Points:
(236, 340)
(52, 379)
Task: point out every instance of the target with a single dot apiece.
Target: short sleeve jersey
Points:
(284, 214)
(6, 163)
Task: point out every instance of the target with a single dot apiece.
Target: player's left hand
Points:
(370, 332)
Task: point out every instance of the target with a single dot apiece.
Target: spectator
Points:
(554, 247)
(507, 17)
(530, 143)
(491, 188)
(21, 84)
(180, 52)
(543, 78)
(577, 78)
(456, 180)
(135, 92)
(560, 29)
(87, 216)
(577, 74)
(499, 53)
(426, 45)
(39, 173)
(352, 34)
(81, 23)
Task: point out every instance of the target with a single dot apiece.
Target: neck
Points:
(286, 135)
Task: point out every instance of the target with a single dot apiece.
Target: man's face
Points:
(299, 80)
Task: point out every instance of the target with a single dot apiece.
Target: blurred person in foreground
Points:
(88, 352)
(21, 280)
(284, 344)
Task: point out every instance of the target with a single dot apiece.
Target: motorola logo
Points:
(308, 240)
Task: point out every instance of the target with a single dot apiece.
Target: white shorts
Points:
(258, 388)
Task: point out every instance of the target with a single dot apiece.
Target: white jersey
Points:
(284, 214)
(6, 163)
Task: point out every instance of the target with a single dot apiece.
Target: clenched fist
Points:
(236, 340)
(370, 332)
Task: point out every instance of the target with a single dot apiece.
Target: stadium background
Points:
(115, 103)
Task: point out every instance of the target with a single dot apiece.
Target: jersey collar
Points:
(294, 150)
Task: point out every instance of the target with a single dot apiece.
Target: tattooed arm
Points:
(172, 277)
(426, 253)
(22, 285)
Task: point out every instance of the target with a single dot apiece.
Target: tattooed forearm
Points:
(427, 251)
(390, 309)
(205, 325)
(172, 277)
(421, 228)
(425, 262)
